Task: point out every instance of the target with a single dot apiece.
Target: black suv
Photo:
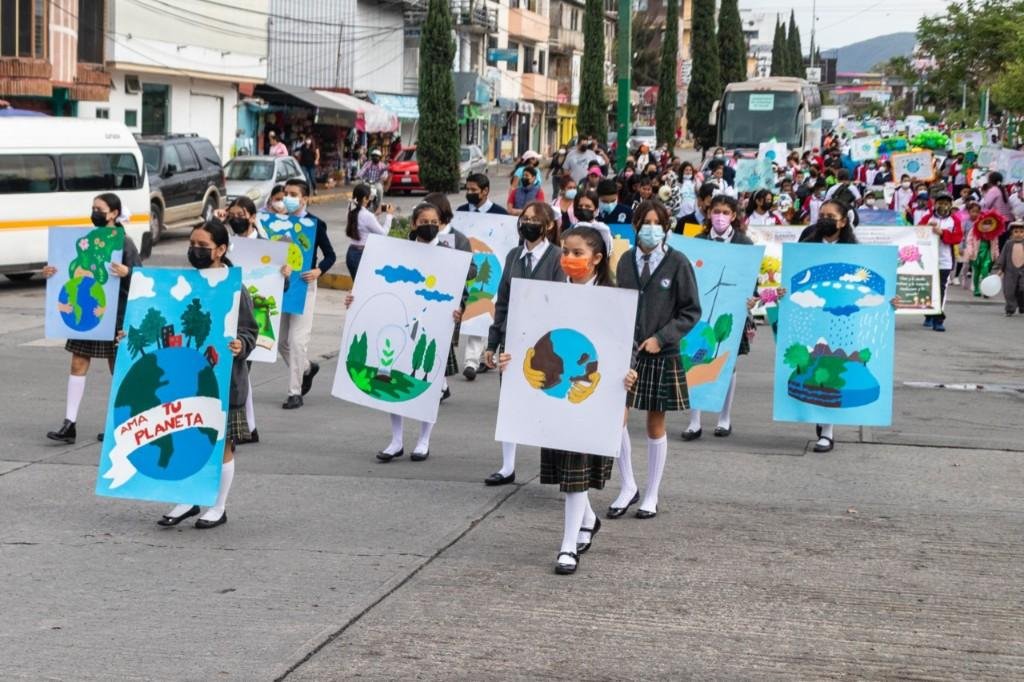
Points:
(186, 180)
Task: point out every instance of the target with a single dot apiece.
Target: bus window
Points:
(99, 172)
(27, 174)
(749, 118)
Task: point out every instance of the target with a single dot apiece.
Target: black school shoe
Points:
(293, 403)
(203, 524)
(168, 521)
(254, 437)
(469, 373)
(307, 377)
(66, 433)
(497, 479)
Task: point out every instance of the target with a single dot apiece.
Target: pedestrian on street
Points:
(275, 201)
(478, 196)
(563, 203)
(107, 214)
(527, 191)
(362, 222)
(1011, 266)
(724, 224)
(426, 229)
(208, 248)
(669, 307)
(309, 158)
(585, 261)
(296, 328)
(275, 146)
(538, 258)
(375, 173)
(946, 225)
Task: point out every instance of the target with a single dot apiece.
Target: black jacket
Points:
(130, 257)
(247, 333)
(494, 209)
(323, 244)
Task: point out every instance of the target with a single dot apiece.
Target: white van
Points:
(51, 168)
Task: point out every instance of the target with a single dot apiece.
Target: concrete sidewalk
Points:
(897, 555)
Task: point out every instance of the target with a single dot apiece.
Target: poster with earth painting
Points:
(398, 330)
(491, 237)
(299, 232)
(82, 296)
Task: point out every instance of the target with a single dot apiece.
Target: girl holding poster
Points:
(723, 224)
(208, 248)
(538, 257)
(585, 261)
(106, 215)
(669, 307)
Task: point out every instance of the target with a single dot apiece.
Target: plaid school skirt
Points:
(574, 472)
(238, 426)
(660, 385)
(91, 349)
(452, 368)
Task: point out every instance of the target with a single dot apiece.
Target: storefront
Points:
(405, 108)
(500, 145)
(473, 97)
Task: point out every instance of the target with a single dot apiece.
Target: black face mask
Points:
(530, 231)
(473, 198)
(200, 257)
(239, 225)
(828, 227)
(426, 232)
(99, 218)
(585, 214)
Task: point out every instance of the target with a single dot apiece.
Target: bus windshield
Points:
(749, 118)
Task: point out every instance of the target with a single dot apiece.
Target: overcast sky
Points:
(841, 22)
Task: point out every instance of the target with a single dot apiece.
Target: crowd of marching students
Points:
(565, 240)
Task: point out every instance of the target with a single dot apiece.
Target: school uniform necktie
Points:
(645, 273)
(529, 263)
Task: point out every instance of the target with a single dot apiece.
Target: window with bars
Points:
(23, 28)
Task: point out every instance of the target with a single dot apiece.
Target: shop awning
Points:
(370, 118)
(506, 104)
(328, 111)
(405, 107)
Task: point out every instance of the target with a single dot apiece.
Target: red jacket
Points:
(950, 237)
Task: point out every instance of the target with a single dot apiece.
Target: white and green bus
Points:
(763, 109)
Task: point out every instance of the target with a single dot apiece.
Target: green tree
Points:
(705, 86)
(357, 352)
(417, 353)
(438, 142)
(732, 47)
(794, 51)
(484, 273)
(723, 327)
(196, 323)
(668, 69)
(780, 61)
(136, 340)
(429, 358)
(152, 327)
(798, 357)
(592, 116)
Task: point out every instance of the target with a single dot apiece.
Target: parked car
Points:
(471, 160)
(255, 176)
(405, 170)
(186, 180)
(647, 135)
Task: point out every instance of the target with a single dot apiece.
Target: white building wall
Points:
(315, 45)
(379, 57)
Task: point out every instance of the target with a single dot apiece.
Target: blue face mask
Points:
(570, 194)
(651, 236)
(291, 204)
(605, 207)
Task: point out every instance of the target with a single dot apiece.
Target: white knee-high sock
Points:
(575, 508)
(227, 475)
(423, 444)
(76, 389)
(508, 459)
(725, 416)
(589, 519)
(396, 435)
(826, 432)
(694, 420)
(657, 453)
(250, 411)
(625, 467)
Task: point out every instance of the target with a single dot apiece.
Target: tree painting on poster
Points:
(261, 261)
(726, 277)
(399, 329)
(82, 296)
(491, 237)
(167, 413)
(834, 354)
(300, 234)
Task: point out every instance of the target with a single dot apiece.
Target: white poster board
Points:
(398, 332)
(917, 275)
(571, 347)
(773, 151)
(988, 156)
(261, 261)
(1011, 165)
(491, 237)
(918, 165)
(864, 148)
(968, 140)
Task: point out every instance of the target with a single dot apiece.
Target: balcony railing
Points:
(467, 15)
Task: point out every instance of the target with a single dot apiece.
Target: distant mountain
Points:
(865, 55)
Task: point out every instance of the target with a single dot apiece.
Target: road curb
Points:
(329, 281)
(329, 195)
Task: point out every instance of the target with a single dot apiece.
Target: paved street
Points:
(895, 556)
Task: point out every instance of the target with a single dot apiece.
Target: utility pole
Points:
(814, 21)
(624, 69)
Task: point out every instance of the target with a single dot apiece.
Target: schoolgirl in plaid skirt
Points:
(107, 218)
(668, 309)
(723, 223)
(430, 222)
(585, 261)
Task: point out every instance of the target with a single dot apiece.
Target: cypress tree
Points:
(665, 112)
(438, 144)
(794, 52)
(732, 48)
(780, 65)
(592, 116)
(705, 86)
